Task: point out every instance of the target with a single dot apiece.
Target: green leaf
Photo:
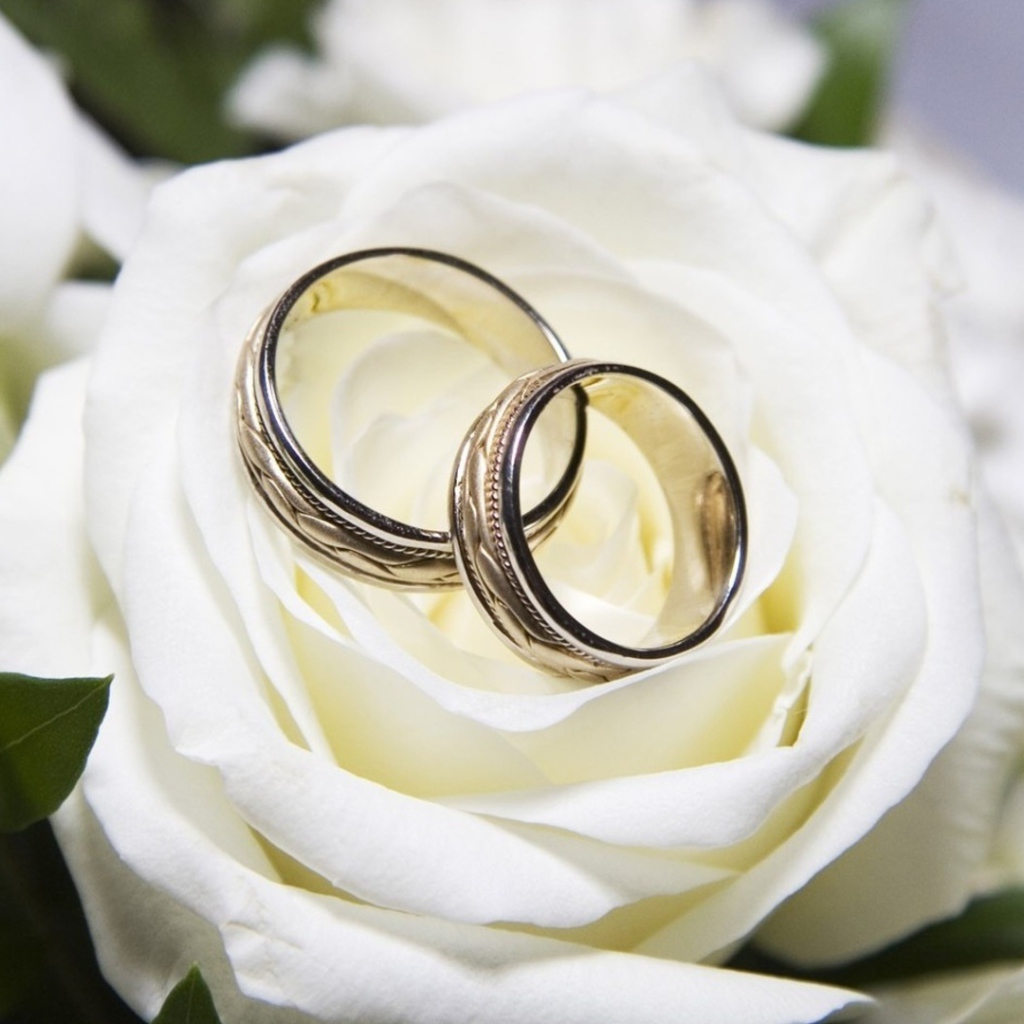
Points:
(989, 931)
(47, 728)
(20, 968)
(861, 37)
(155, 72)
(189, 1002)
(48, 969)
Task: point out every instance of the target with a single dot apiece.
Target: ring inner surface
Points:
(689, 522)
(377, 385)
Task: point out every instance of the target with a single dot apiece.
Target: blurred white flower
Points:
(404, 61)
(62, 185)
(985, 322)
(989, 995)
(986, 318)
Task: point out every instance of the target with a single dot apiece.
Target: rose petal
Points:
(115, 191)
(383, 62)
(217, 715)
(198, 227)
(935, 842)
(884, 769)
(397, 964)
(50, 587)
(986, 995)
(38, 127)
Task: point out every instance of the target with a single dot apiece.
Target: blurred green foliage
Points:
(154, 72)
(48, 971)
(989, 931)
(861, 38)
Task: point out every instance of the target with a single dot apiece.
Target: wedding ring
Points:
(447, 293)
(701, 488)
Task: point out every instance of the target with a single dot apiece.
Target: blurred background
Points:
(959, 67)
(153, 71)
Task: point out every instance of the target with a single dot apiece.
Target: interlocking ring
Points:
(433, 286)
(701, 487)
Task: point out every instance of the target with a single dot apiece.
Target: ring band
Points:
(700, 484)
(432, 286)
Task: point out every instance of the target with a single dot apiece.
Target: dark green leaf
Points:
(861, 38)
(989, 931)
(155, 72)
(20, 967)
(48, 969)
(189, 1002)
(47, 728)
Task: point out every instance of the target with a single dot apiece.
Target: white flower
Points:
(986, 332)
(60, 181)
(351, 805)
(988, 995)
(405, 61)
(986, 225)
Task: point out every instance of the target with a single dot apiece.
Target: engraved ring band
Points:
(489, 550)
(701, 488)
(434, 287)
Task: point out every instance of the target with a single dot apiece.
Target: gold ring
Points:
(701, 487)
(435, 287)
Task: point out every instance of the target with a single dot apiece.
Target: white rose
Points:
(986, 224)
(351, 805)
(986, 321)
(989, 995)
(403, 61)
(60, 181)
